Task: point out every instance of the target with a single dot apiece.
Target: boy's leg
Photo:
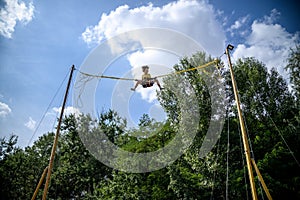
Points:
(158, 84)
(136, 85)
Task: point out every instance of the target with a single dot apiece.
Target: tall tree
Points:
(270, 110)
(293, 68)
(20, 170)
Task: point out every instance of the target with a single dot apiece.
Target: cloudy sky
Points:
(41, 40)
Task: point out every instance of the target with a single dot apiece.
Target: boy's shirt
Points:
(146, 77)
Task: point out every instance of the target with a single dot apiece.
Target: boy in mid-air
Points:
(146, 81)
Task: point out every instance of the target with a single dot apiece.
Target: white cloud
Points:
(30, 124)
(196, 19)
(68, 110)
(13, 12)
(274, 15)
(4, 109)
(239, 23)
(237, 27)
(159, 62)
(268, 42)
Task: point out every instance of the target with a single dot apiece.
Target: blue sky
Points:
(40, 40)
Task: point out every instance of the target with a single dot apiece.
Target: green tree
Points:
(268, 109)
(20, 170)
(271, 113)
(154, 185)
(293, 68)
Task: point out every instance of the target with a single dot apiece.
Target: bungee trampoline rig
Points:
(249, 160)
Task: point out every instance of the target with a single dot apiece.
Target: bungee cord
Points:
(216, 62)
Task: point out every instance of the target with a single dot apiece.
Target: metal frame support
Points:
(39, 184)
(261, 180)
(56, 136)
(243, 129)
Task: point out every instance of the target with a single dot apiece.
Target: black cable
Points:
(46, 111)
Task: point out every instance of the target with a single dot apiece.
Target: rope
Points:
(252, 153)
(109, 77)
(243, 156)
(280, 133)
(160, 76)
(46, 111)
(214, 174)
(250, 145)
(276, 127)
(191, 69)
(228, 141)
(227, 156)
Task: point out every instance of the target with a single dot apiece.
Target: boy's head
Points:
(145, 68)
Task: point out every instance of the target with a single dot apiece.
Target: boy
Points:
(146, 81)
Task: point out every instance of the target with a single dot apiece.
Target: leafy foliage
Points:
(271, 113)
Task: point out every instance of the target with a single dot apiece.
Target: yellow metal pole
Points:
(244, 135)
(39, 184)
(56, 136)
(261, 180)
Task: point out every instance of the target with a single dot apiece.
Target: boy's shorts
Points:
(148, 83)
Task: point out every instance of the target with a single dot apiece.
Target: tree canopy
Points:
(271, 111)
